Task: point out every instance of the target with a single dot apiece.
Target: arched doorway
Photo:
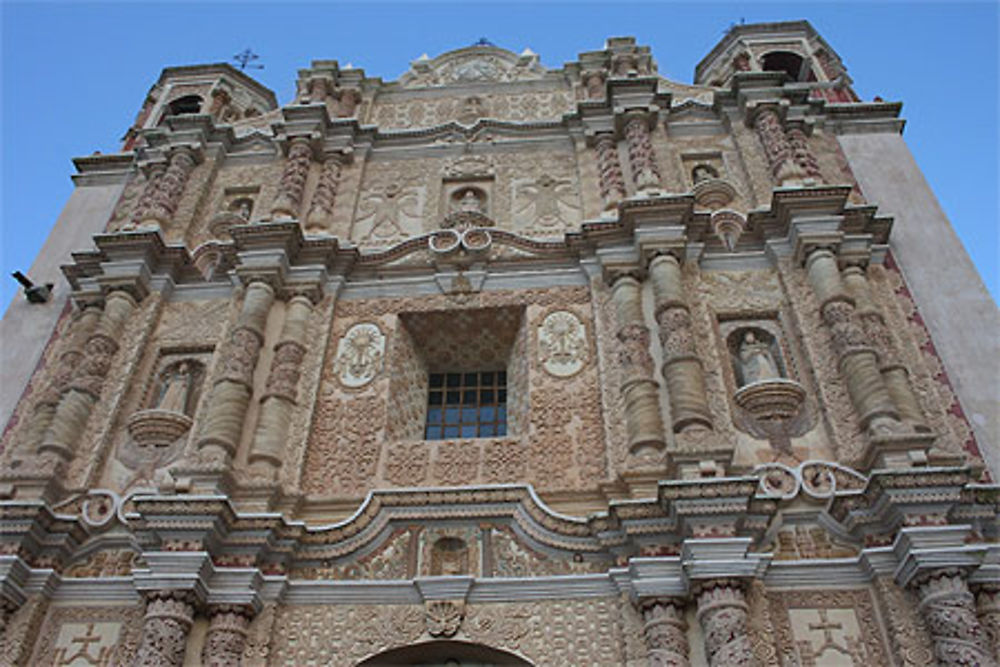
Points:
(444, 653)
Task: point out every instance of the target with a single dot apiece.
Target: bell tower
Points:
(793, 48)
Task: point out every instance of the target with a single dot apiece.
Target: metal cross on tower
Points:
(244, 58)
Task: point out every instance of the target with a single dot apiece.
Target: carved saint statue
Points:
(756, 360)
(703, 172)
(470, 202)
(175, 387)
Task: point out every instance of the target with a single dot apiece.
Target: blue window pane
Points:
(453, 397)
(502, 377)
(487, 378)
(468, 415)
(487, 430)
(501, 429)
(470, 380)
(435, 398)
(486, 396)
(502, 413)
(502, 396)
(434, 416)
(469, 431)
(433, 433)
(469, 397)
(486, 414)
(454, 380)
(437, 380)
(451, 415)
(451, 431)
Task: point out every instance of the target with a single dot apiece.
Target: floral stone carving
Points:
(360, 354)
(444, 617)
(562, 344)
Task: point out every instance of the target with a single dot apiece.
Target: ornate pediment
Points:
(474, 64)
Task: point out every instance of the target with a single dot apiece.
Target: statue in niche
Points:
(242, 207)
(757, 360)
(468, 200)
(176, 387)
(449, 556)
(703, 172)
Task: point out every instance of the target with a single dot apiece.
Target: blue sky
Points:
(74, 75)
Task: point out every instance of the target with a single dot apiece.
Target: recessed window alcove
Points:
(445, 654)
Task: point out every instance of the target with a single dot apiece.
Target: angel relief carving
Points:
(546, 203)
(390, 212)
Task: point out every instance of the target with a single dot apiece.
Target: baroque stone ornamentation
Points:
(665, 632)
(949, 611)
(293, 180)
(562, 344)
(164, 630)
(444, 617)
(722, 613)
(359, 355)
(612, 181)
(642, 159)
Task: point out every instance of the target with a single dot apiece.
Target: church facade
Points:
(497, 364)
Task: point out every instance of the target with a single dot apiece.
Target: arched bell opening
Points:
(445, 653)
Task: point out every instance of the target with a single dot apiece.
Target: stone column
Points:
(641, 158)
(682, 368)
(70, 357)
(70, 415)
(169, 615)
(321, 209)
(163, 192)
(231, 393)
(279, 397)
(642, 409)
(803, 155)
(856, 358)
(988, 612)
(722, 614)
(226, 637)
(610, 168)
(665, 632)
(293, 179)
(779, 152)
(894, 373)
(949, 611)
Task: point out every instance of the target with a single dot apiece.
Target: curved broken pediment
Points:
(471, 65)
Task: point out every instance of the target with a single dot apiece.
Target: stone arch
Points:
(445, 653)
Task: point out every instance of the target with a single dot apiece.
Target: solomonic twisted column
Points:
(231, 393)
(894, 373)
(164, 189)
(642, 409)
(293, 179)
(949, 611)
(70, 357)
(610, 168)
(323, 199)
(803, 155)
(282, 386)
(75, 404)
(641, 158)
(780, 154)
(682, 368)
(169, 615)
(722, 613)
(858, 361)
(988, 611)
(226, 637)
(665, 632)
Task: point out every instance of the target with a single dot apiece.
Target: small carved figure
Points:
(469, 201)
(703, 172)
(242, 207)
(756, 360)
(449, 556)
(175, 387)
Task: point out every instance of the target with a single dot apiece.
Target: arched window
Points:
(445, 654)
(790, 63)
(186, 104)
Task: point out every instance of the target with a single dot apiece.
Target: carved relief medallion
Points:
(359, 355)
(562, 344)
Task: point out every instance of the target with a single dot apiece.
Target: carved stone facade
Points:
(496, 364)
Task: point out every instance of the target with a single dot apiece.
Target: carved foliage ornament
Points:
(562, 344)
(360, 354)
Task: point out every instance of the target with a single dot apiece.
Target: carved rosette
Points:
(642, 159)
(665, 632)
(293, 179)
(612, 180)
(949, 611)
(226, 637)
(722, 613)
(779, 152)
(165, 628)
(321, 209)
(163, 191)
(444, 617)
